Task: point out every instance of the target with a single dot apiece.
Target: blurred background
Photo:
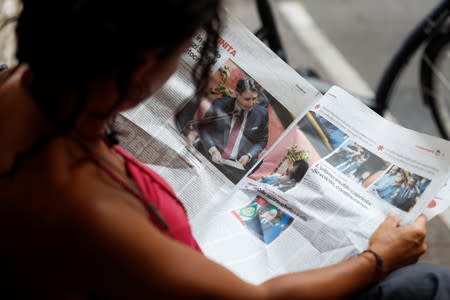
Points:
(348, 43)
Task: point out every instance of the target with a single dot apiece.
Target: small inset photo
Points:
(287, 163)
(263, 219)
(290, 170)
(357, 163)
(321, 133)
(400, 187)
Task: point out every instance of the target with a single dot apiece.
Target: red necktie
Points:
(233, 135)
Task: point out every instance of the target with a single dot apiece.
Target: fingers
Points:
(216, 157)
(421, 222)
(424, 247)
(391, 220)
(400, 245)
(419, 228)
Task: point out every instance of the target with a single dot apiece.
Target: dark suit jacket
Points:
(215, 127)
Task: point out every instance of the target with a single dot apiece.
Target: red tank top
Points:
(158, 192)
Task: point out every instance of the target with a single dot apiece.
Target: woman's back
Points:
(46, 210)
(49, 204)
(51, 249)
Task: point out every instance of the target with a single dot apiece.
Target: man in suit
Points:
(235, 129)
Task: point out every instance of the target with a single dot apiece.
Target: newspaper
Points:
(276, 177)
(359, 168)
(152, 125)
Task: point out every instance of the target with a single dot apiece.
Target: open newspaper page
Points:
(322, 189)
(202, 147)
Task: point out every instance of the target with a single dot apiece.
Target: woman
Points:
(290, 178)
(80, 218)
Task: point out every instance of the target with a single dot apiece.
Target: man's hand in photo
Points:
(244, 160)
(216, 157)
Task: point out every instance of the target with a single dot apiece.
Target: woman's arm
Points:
(138, 261)
(398, 246)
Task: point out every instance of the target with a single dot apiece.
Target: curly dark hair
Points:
(68, 44)
(300, 169)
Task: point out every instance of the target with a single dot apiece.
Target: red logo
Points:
(380, 147)
(432, 204)
(317, 106)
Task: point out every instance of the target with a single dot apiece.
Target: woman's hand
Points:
(399, 245)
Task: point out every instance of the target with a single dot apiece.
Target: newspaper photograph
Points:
(265, 220)
(235, 121)
(302, 146)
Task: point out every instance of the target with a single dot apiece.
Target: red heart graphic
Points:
(432, 204)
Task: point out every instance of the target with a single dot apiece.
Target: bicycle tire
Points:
(434, 84)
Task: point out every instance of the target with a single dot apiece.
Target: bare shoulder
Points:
(84, 233)
(74, 187)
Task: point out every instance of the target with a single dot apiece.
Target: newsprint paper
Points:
(275, 176)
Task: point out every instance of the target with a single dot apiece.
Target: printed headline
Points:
(340, 185)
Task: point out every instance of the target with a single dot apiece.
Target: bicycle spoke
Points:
(437, 72)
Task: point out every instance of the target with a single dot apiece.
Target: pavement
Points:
(438, 237)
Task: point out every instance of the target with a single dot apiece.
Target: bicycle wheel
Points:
(435, 80)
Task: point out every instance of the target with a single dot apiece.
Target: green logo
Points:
(249, 211)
